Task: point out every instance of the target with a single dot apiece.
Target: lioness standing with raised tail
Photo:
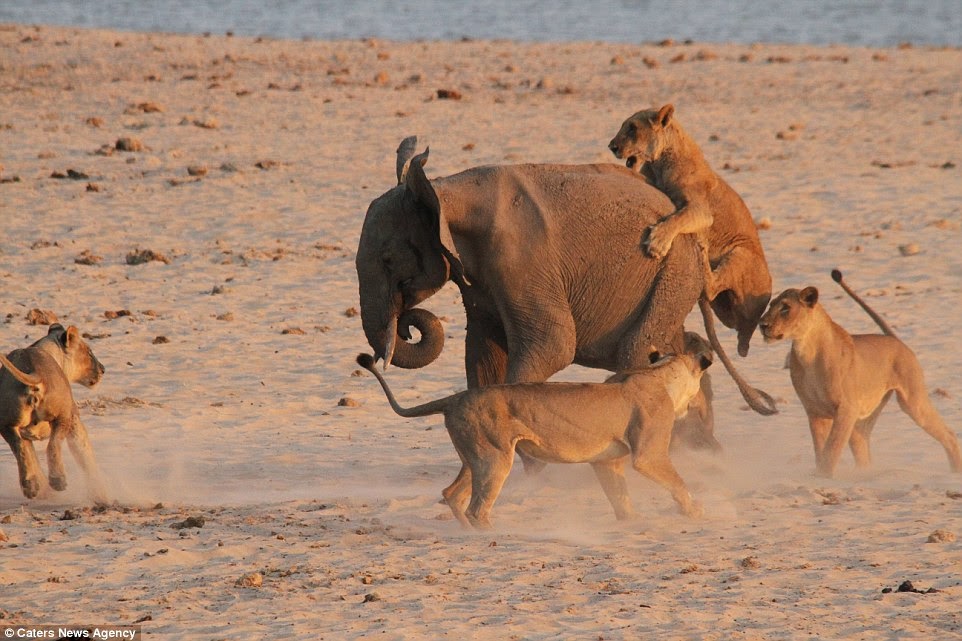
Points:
(738, 283)
(844, 380)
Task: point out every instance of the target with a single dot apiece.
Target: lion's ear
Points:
(809, 296)
(665, 114)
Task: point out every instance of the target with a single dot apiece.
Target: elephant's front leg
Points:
(485, 351)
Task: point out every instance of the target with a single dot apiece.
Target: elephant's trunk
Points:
(389, 338)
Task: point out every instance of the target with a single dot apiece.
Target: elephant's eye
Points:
(784, 310)
(404, 283)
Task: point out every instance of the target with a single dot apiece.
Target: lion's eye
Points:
(784, 310)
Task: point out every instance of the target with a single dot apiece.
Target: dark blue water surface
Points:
(877, 23)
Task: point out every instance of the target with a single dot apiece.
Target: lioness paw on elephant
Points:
(738, 283)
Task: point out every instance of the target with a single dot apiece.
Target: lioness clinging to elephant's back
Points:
(653, 143)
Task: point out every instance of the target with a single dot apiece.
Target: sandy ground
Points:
(319, 505)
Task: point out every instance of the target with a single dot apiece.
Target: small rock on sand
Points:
(41, 317)
(252, 580)
(128, 144)
(941, 536)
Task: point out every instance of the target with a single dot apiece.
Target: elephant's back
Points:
(596, 193)
(584, 226)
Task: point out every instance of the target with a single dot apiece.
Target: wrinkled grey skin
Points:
(547, 258)
(549, 262)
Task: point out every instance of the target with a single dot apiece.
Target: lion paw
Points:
(658, 242)
(58, 483)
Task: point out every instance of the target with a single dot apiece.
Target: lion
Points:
(738, 283)
(629, 415)
(844, 380)
(36, 402)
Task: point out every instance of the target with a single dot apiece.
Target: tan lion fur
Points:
(844, 380)
(36, 402)
(630, 415)
(653, 143)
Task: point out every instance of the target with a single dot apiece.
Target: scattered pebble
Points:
(128, 144)
(910, 249)
(72, 174)
(906, 586)
(189, 522)
(370, 598)
(750, 563)
(252, 580)
(449, 94)
(206, 123)
(160, 340)
(348, 402)
(111, 314)
(941, 536)
(141, 256)
(197, 170)
(297, 331)
(145, 108)
(41, 317)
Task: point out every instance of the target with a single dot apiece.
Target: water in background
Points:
(877, 23)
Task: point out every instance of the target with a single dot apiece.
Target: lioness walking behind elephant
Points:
(629, 415)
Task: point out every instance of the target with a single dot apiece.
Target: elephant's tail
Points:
(885, 327)
(758, 400)
(427, 409)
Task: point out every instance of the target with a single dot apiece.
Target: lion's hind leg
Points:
(488, 474)
(456, 494)
(914, 400)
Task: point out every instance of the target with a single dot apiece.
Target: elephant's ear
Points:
(420, 187)
(405, 152)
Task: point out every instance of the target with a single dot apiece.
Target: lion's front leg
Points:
(693, 218)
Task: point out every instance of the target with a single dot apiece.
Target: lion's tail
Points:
(30, 380)
(427, 409)
(885, 327)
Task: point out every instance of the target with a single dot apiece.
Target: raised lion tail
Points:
(885, 327)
